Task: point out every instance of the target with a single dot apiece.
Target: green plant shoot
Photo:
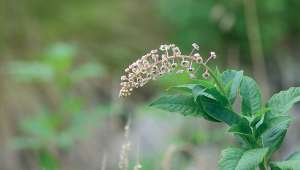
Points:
(261, 128)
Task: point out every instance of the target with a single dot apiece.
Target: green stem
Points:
(215, 78)
(263, 165)
(218, 83)
(47, 160)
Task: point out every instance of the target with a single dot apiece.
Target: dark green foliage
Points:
(261, 129)
(219, 112)
(179, 103)
(241, 128)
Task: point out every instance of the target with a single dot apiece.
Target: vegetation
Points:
(55, 128)
(60, 63)
(260, 129)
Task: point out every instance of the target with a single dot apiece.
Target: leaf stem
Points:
(263, 165)
(218, 83)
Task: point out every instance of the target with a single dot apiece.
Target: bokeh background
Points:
(60, 64)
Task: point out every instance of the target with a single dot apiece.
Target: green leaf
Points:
(201, 90)
(294, 156)
(243, 131)
(269, 120)
(251, 96)
(189, 87)
(194, 89)
(273, 131)
(204, 83)
(291, 163)
(234, 79)
(230, 158)
(185, 88)
(283, 101)
(218, 111)
(178, 103)
(241, 128)
(211, 93)
(184, 104)
(241, 159)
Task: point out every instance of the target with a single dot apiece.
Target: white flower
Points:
(157, 63)
(196, 46)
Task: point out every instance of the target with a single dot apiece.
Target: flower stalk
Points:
(158, 62)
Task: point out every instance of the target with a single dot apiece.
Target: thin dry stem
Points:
(124, 154)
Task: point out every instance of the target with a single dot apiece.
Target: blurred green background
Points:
(60, 64)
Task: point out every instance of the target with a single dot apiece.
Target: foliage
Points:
(56, 128)
(292, 162)
(241, 159)
(261, 128)
(222, 24)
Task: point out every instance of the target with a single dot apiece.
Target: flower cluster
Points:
(158, 62)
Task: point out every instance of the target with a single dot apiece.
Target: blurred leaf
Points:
(47, 161)
(65, 139)
(60, 57)
(71, 105)
(30, 72)
(89, 70)
(26, 143)
(42, 126)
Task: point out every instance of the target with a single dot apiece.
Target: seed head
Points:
(205, 74)
(213, 55)
(196, 46)
(158, 63)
